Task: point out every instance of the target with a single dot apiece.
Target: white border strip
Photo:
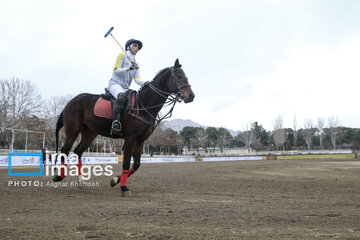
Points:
(161, 160)
(221, 159)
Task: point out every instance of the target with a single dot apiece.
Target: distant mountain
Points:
(178, 124)
(233, 132)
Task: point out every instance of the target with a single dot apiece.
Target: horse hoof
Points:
(126, 193)
(114, 181)
(80, 182)
(57, 178)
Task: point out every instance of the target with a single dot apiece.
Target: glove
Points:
(133, 66)
(147, 83)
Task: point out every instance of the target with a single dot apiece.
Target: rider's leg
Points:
(117, 92)
(118, 109)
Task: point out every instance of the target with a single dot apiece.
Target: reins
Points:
(171, 99)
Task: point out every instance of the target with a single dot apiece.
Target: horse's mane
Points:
(154, 79)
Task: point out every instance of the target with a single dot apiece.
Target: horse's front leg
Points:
(127, 171)
(137, 156)
(129, 147)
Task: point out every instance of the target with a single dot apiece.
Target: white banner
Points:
(34, 160)
(99, 160)
(219, 159)
(158, 160)
(25, 161)
(4, 160)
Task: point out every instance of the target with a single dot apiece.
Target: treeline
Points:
(259, 139)
(22, 107)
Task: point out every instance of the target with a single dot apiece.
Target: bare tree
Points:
(247, 136)
(51, 112)
(19, 100)
(279, 132)
(200, 137)
(308, 132)
(320, 127)
(295, 131)
(53, 108)
(333, 129)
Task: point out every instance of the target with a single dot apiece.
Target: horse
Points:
(169, 86)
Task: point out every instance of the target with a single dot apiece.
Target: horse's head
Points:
(179, 83)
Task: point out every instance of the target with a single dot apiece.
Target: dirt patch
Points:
(291, 199)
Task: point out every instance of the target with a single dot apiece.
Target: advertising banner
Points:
(219, 159)
(99, 160)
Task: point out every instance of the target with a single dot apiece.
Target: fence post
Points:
(26, 140)
(12, 140)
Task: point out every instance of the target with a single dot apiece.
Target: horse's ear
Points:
(177, 64)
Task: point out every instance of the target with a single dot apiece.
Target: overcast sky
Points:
(246, 60)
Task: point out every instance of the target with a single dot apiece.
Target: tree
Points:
(308, 132)
(333, 129)
(19, 99)
(351, 137)
(212, 136)
(295, 132)
(320, 127)
(247, 136)
(261, 136)
(279, 132)
(162, 141)
(224, 137)
(53, 108)
(200, 137)
(236, 141)
(188, 133)
(289, 135)
(155, 140)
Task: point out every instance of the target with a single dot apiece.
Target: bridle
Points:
(171, 99)
(178, 95)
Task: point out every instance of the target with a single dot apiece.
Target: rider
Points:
(126, 69)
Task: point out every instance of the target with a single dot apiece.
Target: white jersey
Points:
(122, 75)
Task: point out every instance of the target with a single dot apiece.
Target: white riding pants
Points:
(115, 89)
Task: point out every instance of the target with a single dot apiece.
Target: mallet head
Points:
(108, 32)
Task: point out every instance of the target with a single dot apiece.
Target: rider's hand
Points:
(133, 66)
(147, 83)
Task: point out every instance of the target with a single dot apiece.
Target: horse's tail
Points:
(59, 125)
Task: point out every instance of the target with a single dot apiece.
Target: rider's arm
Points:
(137, 78)
(120, 62)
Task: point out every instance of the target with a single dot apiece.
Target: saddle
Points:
(104, 104)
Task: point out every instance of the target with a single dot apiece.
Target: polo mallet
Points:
(109, 33)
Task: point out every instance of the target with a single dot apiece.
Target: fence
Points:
(22, 140)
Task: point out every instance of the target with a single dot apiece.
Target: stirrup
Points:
(116, 126)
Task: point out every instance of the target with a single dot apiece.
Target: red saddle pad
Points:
(102, 108)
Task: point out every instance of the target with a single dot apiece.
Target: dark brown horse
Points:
(169, 85)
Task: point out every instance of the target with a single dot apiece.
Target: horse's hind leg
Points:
(69, 141)
(71, 133)
(87, 136)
